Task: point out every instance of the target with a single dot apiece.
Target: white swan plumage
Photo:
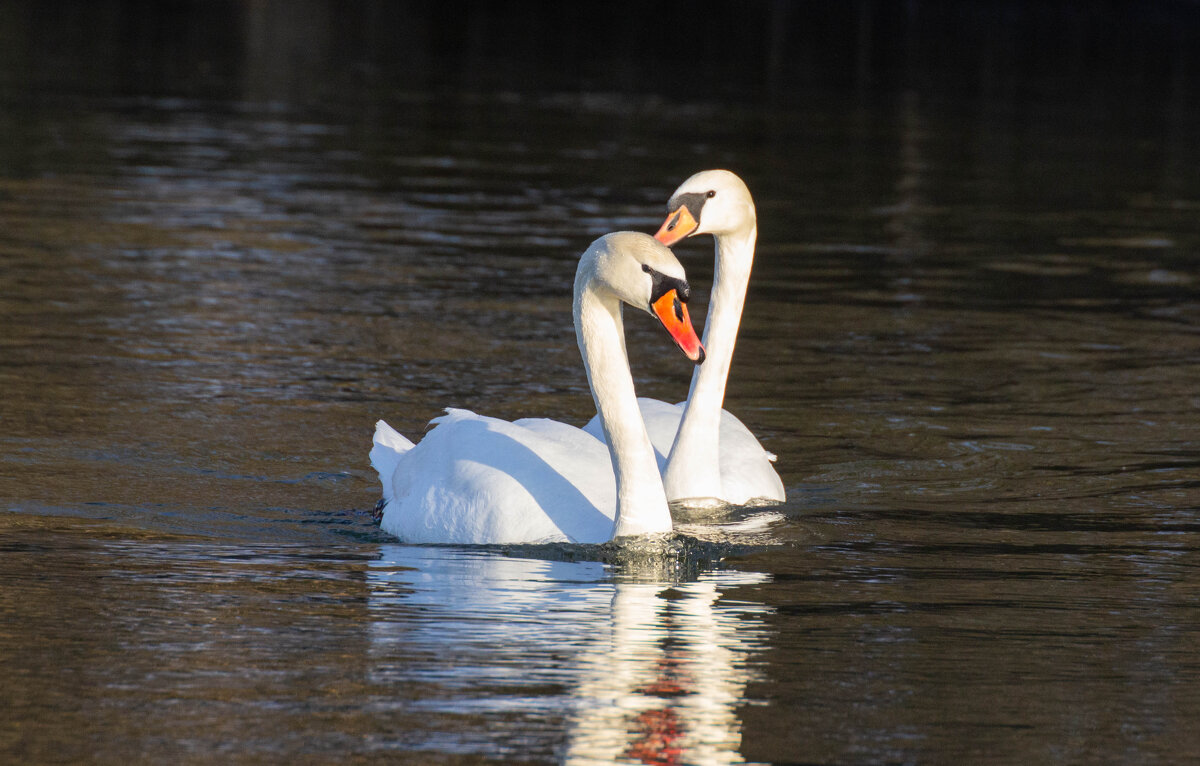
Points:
(707, 456)
(474, 479)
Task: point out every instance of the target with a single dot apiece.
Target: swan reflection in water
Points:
(636, 668)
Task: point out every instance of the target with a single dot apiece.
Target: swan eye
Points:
(661, 284)
(711, 194)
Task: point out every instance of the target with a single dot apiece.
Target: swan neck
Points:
(734, 256)
(641, 502)
(693, 466)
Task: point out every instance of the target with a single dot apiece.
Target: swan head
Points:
(644, 273)
(713, 202)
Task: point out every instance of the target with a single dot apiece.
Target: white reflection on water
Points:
(641, 671)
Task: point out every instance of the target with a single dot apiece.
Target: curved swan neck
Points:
(641, 502)
(731, 276)
(693, 467)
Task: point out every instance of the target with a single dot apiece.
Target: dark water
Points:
(234, 236)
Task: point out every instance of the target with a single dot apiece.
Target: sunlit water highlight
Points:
(636, 669)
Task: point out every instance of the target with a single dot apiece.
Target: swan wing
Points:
(746, 471)
(480, 480)
(388, 448)
(662, 421)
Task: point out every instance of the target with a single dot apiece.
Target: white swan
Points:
(475, 479)
(712, 458)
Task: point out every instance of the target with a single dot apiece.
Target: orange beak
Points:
(678, 225)
(673, 314)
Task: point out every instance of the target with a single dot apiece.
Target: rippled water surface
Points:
(972, 338)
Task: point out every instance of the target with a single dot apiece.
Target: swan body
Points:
(481, 480)
(746, 473)
(711, 457)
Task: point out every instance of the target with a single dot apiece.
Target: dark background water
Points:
(233, 235)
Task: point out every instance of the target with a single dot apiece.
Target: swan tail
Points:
(389, 449)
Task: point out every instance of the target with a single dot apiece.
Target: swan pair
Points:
(476, 479)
